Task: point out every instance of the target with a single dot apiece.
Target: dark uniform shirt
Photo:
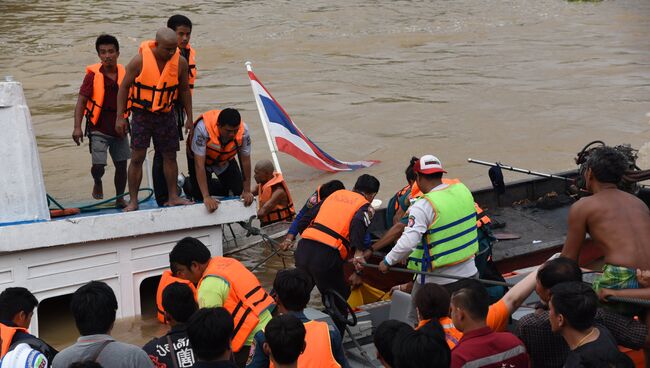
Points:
(162, 355)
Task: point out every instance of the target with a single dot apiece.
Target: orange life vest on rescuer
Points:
(481, 216)
(452, 335)
(96, 101)
(6, 337)
(216, 153)
(332, 223)
(280, 212)
(165, 280)
(191, 64)
(318, 352)
(152, 90)
(246, 299)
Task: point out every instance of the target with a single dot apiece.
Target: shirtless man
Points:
(151, 98)
(617, 221)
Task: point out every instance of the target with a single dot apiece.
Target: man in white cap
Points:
(441, 235)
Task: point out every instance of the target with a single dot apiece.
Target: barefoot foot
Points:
(98, 191)
(178, 201)
(131, 207)
(120, 203)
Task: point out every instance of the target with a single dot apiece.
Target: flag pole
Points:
(265, 124)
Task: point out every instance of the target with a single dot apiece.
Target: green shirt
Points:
(214, 292)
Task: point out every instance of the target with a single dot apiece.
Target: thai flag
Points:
(288, 137)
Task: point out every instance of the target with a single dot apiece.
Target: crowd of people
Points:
(221, 316)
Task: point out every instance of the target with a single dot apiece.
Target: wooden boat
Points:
(532, 213)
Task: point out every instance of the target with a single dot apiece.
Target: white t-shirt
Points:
(201, 138)
(420, 216)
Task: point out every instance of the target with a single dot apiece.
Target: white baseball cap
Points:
(428, 164)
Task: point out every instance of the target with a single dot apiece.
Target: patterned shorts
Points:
(162, 127)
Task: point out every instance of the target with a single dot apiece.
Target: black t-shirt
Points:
(602, 352)
(162, 355)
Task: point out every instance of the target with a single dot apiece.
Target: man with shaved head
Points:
(155, 79)
(274, 200)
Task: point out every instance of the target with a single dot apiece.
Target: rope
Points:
(405, 270)
(95, 206)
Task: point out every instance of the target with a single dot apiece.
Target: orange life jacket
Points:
(216, 153)
(318, 352)
(152, 90)
(165, 280)
(452, 335)
(280, 212)
(481, 216)
(6, 337)
(191, 63)
(332, 223)
(96, 101)
(246, 299)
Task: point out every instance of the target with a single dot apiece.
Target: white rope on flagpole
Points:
(265, 123)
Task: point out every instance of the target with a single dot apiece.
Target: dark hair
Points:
(558, 270)
(330, 187)
(367, 184)
(93, 307)
(285, 335)
(419, 349)
(230, 117)
(178, 301)
(210, 331)
(434, 176)
(85, 364)
(106, 39)
(387, 332)
(577, 302)
(473, 298)
(14, 300)
(293, 288)
(432, 301)
(409, 172)
(607, 164)
(178, 20)
(186, 251)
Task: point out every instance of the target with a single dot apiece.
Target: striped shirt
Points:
(485, 348)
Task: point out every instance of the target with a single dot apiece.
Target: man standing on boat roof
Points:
(155, 79)
(441, 233)
(182, 25)
(97, 102)
(617, 221)
(331, 231)
(218, 137)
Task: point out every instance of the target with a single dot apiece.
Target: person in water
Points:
(97, 102)
(275, 203)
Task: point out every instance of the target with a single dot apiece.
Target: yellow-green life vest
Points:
(452, 237)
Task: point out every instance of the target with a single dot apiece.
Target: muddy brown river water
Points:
(524, 82)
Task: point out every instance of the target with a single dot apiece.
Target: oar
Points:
(406, 270)
(523, 171)
(267, 239)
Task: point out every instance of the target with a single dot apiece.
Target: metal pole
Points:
(406, 270)
(523, 171)
(265, 123)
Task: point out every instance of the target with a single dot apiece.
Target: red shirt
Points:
(106, 121)
(486, 348)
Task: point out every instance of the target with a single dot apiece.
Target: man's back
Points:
(113, 354)
(484, 348)
(618, 222)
